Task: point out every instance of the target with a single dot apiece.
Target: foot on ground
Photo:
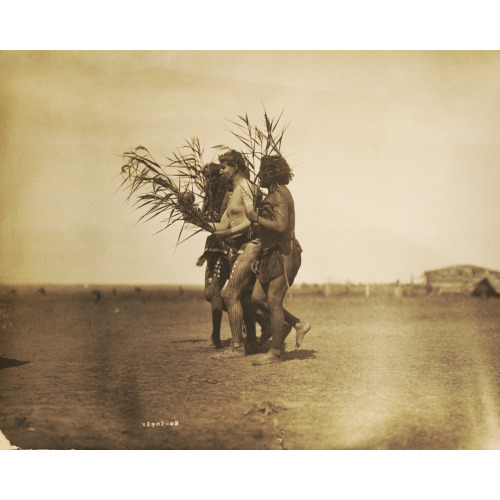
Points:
(300, 332)
(231, 353)
(251, 346)
(268, 359)
(216, 342)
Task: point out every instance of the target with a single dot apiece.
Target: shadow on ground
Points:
(9, 363)
(187, 341)
(302, 354)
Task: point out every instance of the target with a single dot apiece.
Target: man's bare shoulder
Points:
(249, 185)
(245, 187)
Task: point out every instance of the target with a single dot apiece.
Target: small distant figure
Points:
(181, 291)
(41, 291)
(13, 292)
(96, 295)
(398, 290)
(367, 289)
(138, 290)
(114, 291)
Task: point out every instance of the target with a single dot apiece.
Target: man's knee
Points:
(258, 300)
(236, 288)
(274, 300)
(208, 293)
(230, 293)
(212, 290)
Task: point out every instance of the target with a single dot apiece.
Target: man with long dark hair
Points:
(280, 256)
(216, 252)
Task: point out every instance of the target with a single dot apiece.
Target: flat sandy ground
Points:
(373, 373)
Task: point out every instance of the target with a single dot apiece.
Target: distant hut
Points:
(489, 286)
(461, 280)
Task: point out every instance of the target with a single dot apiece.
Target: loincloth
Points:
(214, 246)
(271, 264)
(236, 247)
(217, 267)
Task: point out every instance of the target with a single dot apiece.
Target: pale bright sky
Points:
(396, 158)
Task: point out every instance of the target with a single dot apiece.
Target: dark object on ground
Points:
(8, 363)
(96, 296)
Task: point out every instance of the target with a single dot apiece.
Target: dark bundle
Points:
(215, 190)
(159, 195)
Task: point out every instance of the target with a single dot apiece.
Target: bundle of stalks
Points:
(257, 142)
(158, 194)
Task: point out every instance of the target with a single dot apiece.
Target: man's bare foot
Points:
(216, 342)
(300, 332)
(231, 353)
(268, 359)
(251, 346)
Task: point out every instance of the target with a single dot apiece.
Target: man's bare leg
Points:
(214, 282)
(251, 344)
(239, 281)
(276, 290)
(259, 298)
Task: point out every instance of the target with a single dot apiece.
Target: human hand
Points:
(253, 216)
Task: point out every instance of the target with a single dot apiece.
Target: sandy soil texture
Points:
(133, 370)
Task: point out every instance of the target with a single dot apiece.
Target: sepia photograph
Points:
(249, 250)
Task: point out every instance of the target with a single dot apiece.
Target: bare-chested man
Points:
(280, 257)
(234, 227)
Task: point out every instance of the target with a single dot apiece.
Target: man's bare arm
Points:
(247, 194)
(279, 208)
(241, 227)
(223, 224)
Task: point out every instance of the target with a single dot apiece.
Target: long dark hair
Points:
(215, 191)
(276, 169)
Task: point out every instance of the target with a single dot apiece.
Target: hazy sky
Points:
(396, 158)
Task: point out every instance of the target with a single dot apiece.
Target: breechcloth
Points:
(216, 254)
(271, 263)
(217, 267)
(242, 265)
(236, 247)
